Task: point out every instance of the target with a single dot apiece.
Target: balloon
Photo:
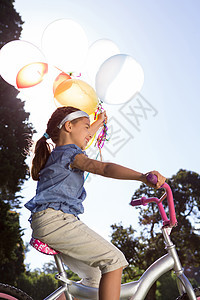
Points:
(59, 79)
(77, 93)
(31, 75)
(119, 78)
(98, 52)
(90, 142)
(14, 56)
(65, 45)
(57, 104)
(92, 118)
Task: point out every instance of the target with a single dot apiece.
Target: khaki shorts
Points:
(84, 251)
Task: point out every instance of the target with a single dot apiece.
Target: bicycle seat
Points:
(42, 247)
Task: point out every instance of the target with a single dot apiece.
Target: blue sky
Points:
(163, 36)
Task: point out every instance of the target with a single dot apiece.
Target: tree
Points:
(14, 133)
(148, 246)
(14, 126)
(39, 284)
(10, 22)
(124, 239)
(11, 245)
(50, 268)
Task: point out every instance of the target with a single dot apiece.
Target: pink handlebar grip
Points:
(136, 202)
(152, 178)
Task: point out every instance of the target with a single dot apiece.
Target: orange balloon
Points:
(59, 79)
(31, 74)
(77, 93)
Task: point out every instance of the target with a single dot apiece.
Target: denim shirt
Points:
(60, 187)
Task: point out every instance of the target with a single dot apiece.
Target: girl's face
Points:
(80, 133)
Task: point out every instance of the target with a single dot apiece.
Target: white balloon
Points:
(14, 56)
(98, 52)
(119, 78)
(65, 45)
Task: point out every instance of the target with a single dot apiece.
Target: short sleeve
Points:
(70, 153)
(76, 150)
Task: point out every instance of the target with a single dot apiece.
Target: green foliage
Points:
(72, 276)
(14, 126)
(50, 268)
(37, 285)
(11, 245)
(167, 286)
(14, 133)
(123, 238)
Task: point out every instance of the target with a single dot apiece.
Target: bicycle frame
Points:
(136, 290)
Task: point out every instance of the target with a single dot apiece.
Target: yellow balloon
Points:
(77, 93)
(90, 142)
(92, 120)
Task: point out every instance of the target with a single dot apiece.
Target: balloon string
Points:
(102, 137)
(89, 172)
(74, 74)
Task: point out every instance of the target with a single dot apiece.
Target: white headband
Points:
(72, 116)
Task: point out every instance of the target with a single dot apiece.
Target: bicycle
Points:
(136, 290)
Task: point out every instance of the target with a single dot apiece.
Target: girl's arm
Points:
(98, 123)
(112, 170)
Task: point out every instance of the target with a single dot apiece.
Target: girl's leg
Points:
(109, 288)
(61, 297)
(110, 285)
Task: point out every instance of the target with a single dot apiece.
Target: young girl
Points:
(59, 196)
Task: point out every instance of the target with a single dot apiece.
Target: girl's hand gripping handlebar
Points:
(168, 193)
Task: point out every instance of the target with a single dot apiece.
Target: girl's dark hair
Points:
(42, 149)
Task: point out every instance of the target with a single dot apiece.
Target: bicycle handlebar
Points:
(168, 193)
